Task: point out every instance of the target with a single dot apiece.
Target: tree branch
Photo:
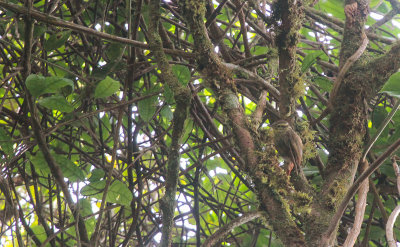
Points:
(182, 98)
(222, 232)
(356, 185)
(49, 19)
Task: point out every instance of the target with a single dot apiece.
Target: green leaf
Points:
(323, 82)
(97, 174)
(118, 192)
(56, 40)
(310, 170)
(211, 164)
(169, 95)
(100, 73)
(85, 208)
(147, 107)
(106, 88)
(56, 102)
(334, 7)
(6, 144)
(94, 189)
(188, 128)
(54, 84)
(378, 115)
(38, 85)
(260, 50)
(167, 113)
(182, 73)
(392, 86)
(39, 232)
(69, 168)
(40, 164)
(310, 60)
(114, 51)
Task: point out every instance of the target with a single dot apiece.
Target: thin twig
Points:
(380, 130)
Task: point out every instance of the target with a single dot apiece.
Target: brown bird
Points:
(288, 144)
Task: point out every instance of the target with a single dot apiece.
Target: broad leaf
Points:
(6, 144)
(94, 189)
(260, 50)
(114, 51)
(182, 73)
(392, 86)
(106, 88)
(378, 115)
(324, 83)
(38, 85)
(69, 168)
(40, 164)
(97, 174)
(39, 232)
(56, 40)
(56, 102)
(167, 113)
(169, 95)
(309, 60)
(147, 108)
(118, 192)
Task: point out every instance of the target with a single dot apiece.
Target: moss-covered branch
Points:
(290, 13)
(272, 185)
(182, 98)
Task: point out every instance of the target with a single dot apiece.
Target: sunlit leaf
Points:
(94, 189)
(106, 88)
(119, 193)
(260, 50)
(39, 232)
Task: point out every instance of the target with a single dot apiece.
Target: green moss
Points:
(307, 136)
(336, 192)
(299, 86)
(302, 203)
(230, 100)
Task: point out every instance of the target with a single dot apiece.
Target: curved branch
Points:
(226, 229)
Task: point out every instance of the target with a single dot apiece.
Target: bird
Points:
(288, 144)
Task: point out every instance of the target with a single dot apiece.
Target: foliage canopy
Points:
(141, 122)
